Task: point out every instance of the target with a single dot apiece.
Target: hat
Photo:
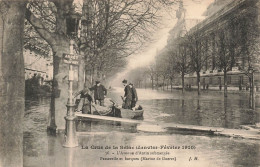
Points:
(131, 84)
(97, 82)
(124, 81)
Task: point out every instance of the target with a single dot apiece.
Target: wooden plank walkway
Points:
(108, 118)
(235, 133)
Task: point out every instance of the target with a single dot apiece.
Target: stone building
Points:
(229, 41)
(37, 62)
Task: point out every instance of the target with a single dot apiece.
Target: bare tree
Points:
(224, 58)
(53, 20)
(116, 29)
(249, 45)
(195, 47)
(181, 62)
(111, 31)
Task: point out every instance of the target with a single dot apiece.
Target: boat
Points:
(121, 112)
(131, 114)
(116, 111)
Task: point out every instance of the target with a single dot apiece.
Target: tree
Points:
(151, 72)
(181, 64)
(114, 30)
(53, 20)
(249, 42)
(11, 82)
(224, 59)
(195, 47)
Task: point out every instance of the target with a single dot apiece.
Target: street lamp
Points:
(70, 137)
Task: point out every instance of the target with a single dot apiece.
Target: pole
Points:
(70, 137)
(253, 91)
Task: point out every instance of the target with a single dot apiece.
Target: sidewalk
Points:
(230, 89)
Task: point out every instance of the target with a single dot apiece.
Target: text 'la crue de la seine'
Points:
(162, 147)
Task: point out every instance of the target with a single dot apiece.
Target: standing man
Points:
(128, 96)
(100, 93)
(134, 96)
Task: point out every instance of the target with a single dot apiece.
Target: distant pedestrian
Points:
(100, 93)
(128, 96)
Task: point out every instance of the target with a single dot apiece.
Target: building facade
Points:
(228, 42)
(37, 62)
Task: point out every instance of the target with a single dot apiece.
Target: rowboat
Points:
(130, 114)
(115, 111)
(122, 113)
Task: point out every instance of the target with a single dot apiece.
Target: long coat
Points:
(135, 97)
(99, 92)
(128, 97)
(128, 93)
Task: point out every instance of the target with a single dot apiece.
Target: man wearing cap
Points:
(100, 93)
(127, 96)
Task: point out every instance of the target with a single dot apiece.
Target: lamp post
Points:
(252, 89)
(70, 137)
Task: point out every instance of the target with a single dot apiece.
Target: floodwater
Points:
(143, 144)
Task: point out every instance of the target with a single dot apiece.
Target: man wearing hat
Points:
(127, 96)
(100, 93)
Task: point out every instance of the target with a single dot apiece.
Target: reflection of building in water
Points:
(238, 23)
(37, 62)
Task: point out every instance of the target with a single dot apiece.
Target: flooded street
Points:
(148, 141)
(210, 109)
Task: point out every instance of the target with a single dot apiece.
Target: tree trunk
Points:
(12, 85)
(60, 79)
(198, 82)
(81, 74)
(163, 83)
(152, 83)
(59, 43)
(171, 84)
(182, 79)
(225, 82)
(252, 91)
(157, 80)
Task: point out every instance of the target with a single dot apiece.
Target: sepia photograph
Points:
(129, 83)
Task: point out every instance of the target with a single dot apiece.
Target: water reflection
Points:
(208, 110)
(89, 125)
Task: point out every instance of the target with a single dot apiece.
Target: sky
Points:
(194, 10)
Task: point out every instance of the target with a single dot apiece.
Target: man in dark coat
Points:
(100, 93)
(128, 96)
(134, 96)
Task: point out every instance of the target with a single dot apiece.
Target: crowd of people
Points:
(85, 100)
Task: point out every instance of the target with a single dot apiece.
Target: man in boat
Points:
(134, 96)
(100, 93)
(128, 96)
(85, 100)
